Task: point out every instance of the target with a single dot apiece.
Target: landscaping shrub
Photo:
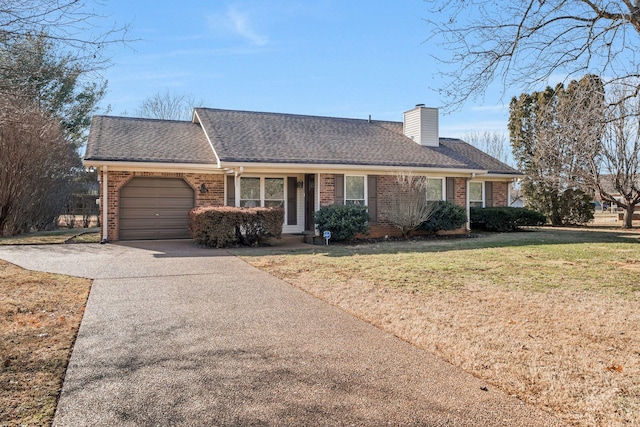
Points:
(505, 219)
(576, 207)
(343, 221)
(447, 216)
(224, 226)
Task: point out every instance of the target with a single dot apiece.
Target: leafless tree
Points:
(408, 206)
(168, 106)
(616, 168)
(525, 43)
(493, 143)
(72, 25)
(35, 164)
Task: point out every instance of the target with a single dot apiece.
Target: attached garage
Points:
(155, 208)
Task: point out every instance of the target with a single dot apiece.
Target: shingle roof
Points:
(147, 140)
(254, 137)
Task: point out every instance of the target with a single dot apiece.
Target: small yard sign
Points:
(327, 236)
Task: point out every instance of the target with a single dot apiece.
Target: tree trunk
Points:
(628, 216)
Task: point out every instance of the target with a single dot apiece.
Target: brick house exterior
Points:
(221, 155)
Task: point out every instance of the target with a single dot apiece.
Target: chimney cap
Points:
(419, 105)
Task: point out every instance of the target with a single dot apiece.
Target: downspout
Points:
(105, 204)
(473, 175)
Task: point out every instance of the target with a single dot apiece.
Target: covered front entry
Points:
(155, 208)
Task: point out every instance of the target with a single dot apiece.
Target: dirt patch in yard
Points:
(39, 318)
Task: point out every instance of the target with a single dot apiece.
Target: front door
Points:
(309, 201)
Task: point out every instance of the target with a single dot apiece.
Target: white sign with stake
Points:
(327, 236)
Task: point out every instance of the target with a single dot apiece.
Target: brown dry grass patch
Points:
(551, 317)
(40, 315)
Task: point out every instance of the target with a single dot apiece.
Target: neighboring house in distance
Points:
(152, 172)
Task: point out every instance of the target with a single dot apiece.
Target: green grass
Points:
(71, 235)
(544, 259)
(548, 315)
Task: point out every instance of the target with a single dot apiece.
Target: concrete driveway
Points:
(178, 335)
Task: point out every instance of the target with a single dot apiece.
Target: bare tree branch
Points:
(525, 43)
(408, 206)
(168, 106)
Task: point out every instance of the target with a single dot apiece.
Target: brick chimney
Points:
(421, 125)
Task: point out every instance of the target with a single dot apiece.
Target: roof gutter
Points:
(318, 168)
(115, 165)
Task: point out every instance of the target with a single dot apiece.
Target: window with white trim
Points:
(354, 190)
(476, 194)
(265, 192)
(435, 189)
(274, 193)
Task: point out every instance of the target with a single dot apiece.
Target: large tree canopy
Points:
(33, 70)
(525, 43)
(556, 135)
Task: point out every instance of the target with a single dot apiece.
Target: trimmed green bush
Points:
(576, 208)
(447, 216)
(343, 221)
(224, 226)
(505, 219)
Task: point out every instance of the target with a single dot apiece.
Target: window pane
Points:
(434, 189)
(354, 188)
(274, 203)
(274, 189)
(475, 191)
(249, 192)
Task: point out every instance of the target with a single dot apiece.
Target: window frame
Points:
(365, 192)
(443, 190)
(262, 199)
(474, 203)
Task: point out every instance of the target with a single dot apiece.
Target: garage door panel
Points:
(155, 208)
(154, 204)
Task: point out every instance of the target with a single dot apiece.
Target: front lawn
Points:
(549, 315)
(63, 235)
(39, 318)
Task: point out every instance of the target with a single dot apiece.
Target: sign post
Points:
(327, 236)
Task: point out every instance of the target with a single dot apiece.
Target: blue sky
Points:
(324, 57)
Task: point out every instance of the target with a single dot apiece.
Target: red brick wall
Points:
(327, 189)
(460, 193)
(500, 193)
(117, 179)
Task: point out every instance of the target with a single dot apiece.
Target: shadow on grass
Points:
(476, 240)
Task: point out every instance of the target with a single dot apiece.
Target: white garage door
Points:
(155, 208)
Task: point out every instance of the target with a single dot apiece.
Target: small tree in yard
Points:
(408, 205)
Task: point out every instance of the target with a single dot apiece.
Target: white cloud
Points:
(237, 22)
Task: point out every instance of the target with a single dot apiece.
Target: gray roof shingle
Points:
(243, 136)
(147, 140)
(254, 137)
